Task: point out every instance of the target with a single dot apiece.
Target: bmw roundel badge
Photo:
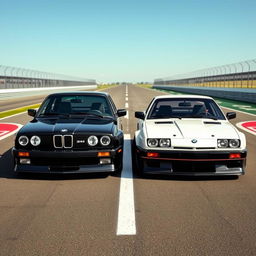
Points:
(194, 141)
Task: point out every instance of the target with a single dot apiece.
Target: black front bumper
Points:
(193, 163)
(66, 161)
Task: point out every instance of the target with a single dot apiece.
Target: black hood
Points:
(69, 126)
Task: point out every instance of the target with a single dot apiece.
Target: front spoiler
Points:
(46, 169)
(220, 166)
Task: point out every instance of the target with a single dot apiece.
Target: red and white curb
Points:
(8, 129)
(248, 126)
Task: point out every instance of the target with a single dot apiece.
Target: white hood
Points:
(183, 131)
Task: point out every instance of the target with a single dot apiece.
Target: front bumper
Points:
(64, 161)
(192, 163)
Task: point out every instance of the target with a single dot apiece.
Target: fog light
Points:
(23, 154)
(234, 155)
(151, 154)
(100, 154)
(25, 161)
(105, 161)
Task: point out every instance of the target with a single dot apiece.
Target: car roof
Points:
(189, 96)
(81, 93)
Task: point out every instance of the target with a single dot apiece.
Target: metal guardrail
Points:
(236, 75)
(12, 77)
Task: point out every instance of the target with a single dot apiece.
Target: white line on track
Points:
(126, 98)
(126, 224)
(239, 125)
(239, 111)
(127, 115)
(126, 105)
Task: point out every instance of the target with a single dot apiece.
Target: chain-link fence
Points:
(12, 77)
(236, 75)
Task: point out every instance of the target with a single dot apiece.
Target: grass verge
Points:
(17, 110)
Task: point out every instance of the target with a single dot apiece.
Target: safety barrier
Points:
(13, 78)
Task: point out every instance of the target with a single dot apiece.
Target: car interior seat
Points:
(64, 107)
(98, 106)
(164, 111)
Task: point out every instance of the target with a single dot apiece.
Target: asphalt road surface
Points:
(128, 215)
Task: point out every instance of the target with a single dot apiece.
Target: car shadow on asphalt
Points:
(7, 171)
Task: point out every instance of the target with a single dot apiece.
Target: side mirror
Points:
(231, 115)
(140, 115)
(121, 112)
(31, 112)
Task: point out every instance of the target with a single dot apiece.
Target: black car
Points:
(76, 132)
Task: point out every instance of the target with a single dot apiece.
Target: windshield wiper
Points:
(54, 114)
(88, 114)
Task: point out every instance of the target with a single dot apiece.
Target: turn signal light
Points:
(104, 154)
(119, 150)
(151, 154)
(234, 155)
(22, 154)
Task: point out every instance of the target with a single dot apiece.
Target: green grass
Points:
(145, 85)
(17, 110)
(106, 86)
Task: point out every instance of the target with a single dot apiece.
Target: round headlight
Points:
(23, 140)
(105, 140)
(164, 143)
(234, 143)
(152, 143)
(35, 140)
(92, 140)
(222, 143)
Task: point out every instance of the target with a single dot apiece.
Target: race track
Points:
(86, 214)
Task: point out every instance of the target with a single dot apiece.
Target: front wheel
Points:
(136, 161)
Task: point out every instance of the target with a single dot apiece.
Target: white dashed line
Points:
(126, 224)
(126, 98)
(126, 105)
(127, 115)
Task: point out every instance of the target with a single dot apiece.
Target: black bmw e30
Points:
(77, 132)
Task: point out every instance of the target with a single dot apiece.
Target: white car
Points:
(188, 135)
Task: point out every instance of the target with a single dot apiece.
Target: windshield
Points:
(77, 105)
(185, 108)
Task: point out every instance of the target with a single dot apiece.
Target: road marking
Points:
(248, 126)
(126, 212)
(127, 115)
(126, 98)
(126, 105)
(8, 129)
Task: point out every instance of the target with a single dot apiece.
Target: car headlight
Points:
(228, 143)
(222, 143)
(105, 140)
(152, 143)
(35, 140)
(23, 140)
(92, 140)
(234, 143)
(164, 143)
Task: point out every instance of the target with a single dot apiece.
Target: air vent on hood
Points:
(209, 122)
(164, 122)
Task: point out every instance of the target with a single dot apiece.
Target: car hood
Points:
(68, 126)
(183, 131)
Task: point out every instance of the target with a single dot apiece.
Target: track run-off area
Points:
(126, 215)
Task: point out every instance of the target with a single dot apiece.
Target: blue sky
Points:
(126, 40)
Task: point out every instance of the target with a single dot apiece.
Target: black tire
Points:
(136, 161)
(118, 164)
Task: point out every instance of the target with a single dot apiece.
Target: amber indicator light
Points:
(104, 154)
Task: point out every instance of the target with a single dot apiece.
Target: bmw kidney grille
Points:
(63, 141)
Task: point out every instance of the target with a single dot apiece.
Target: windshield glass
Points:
(185, 108)
(77, 105)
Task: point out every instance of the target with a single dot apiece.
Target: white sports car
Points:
(188, 135)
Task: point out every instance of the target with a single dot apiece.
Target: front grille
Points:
(63, 141)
